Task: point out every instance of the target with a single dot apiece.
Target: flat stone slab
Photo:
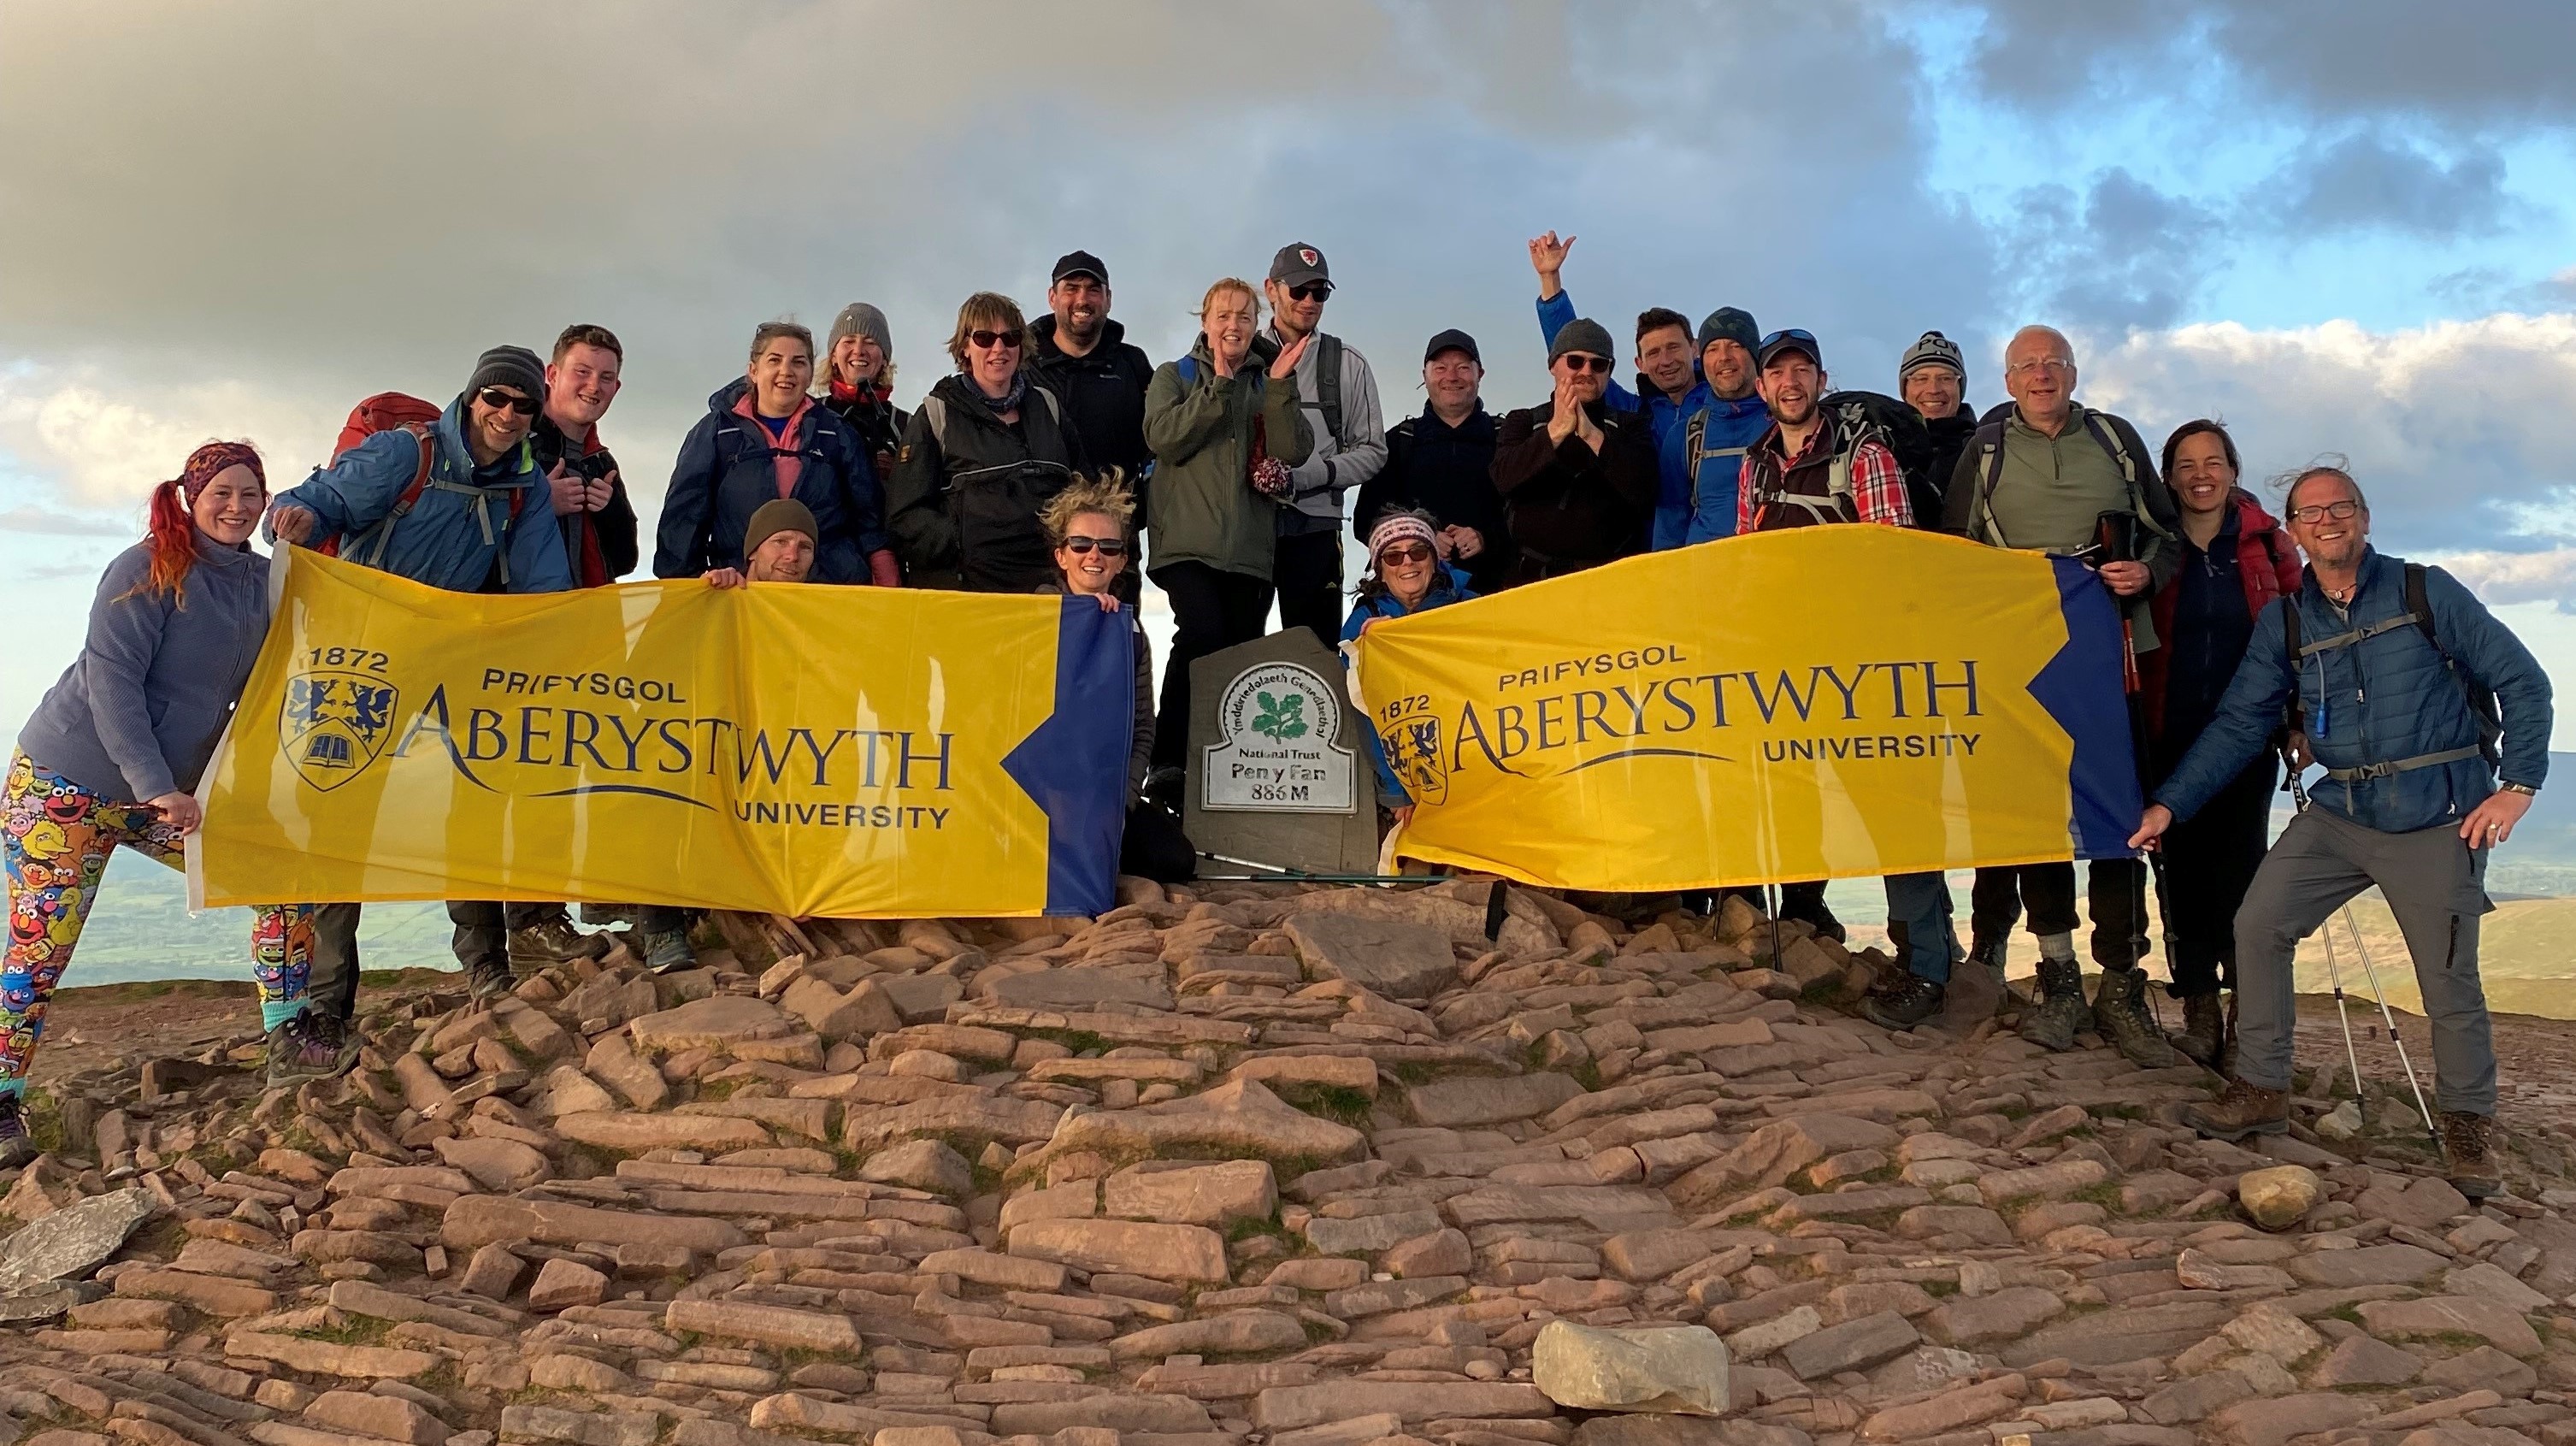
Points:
(2108, 1337)
(1489, 1100)
(1287, 1408)
(1241, 1117)
(711, 1023)
(73, 1241)
(1398, 958)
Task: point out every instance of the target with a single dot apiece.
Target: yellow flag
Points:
(1813, 703)
(806, 750)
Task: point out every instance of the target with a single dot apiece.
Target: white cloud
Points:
(2501, 578)
(2460, 431)
(76, 431)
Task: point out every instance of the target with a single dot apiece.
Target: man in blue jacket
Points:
(482, 521)
(1699, 401)
(2390, 685)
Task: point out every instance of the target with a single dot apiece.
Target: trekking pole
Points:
(2388, 1017)
(2352, 1056)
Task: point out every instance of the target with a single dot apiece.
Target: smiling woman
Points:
(112, 756)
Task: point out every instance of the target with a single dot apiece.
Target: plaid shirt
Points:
(1877, 483)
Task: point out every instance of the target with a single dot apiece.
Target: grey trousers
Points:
(2436, 886)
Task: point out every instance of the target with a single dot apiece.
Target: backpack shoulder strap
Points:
(2108, 438)
(1328, 382)
(2296, 715)
(935, 407)
(1188, 368)
(2421, 606)
(1989, 442)
(382, 534)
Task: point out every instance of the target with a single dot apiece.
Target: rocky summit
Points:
(1242, 1164)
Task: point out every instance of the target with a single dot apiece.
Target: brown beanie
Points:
(783, 514)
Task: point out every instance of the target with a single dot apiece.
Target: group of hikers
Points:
(1035, 464)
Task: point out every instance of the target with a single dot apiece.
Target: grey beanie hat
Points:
(1582, 334)
(509, 366)
(1932, 349)
(860, 319)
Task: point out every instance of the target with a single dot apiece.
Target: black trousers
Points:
(331, 990)
(2118, 890)
(1211, 611)
(483, 929)
(1308, 570)
(2210, 861)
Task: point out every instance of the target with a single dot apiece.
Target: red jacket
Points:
(2266, 563)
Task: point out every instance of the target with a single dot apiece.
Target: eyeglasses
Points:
(1312, 291)
(1105, 546)
(496, 399)
(990, 339)
(1404, 552)
(1585, 362)
(2312, 515)
(2053, 365)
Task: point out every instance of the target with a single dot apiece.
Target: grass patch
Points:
(360, 1330)
(2106, 1194)
(1245, 1229)
(1319, 1334)
(1414, 1072)
(44, 1115)
(1081, 1041)
(1940, 1289)
(1334, 1102)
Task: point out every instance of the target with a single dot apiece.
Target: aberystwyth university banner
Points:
(806, 750)
(1821, 702)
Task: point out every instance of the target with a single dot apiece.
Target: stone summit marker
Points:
(1278, 771)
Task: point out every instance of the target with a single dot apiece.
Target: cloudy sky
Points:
(2342, 225)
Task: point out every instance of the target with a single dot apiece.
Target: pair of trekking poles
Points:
(2116, 541)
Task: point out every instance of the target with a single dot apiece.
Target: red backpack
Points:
(388, 412)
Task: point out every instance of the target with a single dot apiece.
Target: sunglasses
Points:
(1576, 361)
(1105, 546)
(1404, 552)
(496, 398)
(1312, 291)
(1011, 339)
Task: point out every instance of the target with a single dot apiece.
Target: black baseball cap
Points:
(1791, 339)
(1298, 263)
(1452, 340)
(1079, 263)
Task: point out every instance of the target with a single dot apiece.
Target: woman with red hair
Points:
(112, 755)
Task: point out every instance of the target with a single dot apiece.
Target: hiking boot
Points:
(2239, 1110)
(2121, 1014)
(17, 1147)
(2204, 1029)
(489, 979)
(1902, 1000)
(2051, 1021)
(606, 914)
(2469, 1155)
(308, 1046)
(555, 941)
(668, 951)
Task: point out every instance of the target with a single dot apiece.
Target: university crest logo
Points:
(1413, 750)
(334, 723)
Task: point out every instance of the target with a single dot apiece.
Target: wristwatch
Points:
(2525, 789)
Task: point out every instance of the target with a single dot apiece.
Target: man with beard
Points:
(1083, 357)
(2392, 671)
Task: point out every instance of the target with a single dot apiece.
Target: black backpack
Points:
(1874, 416)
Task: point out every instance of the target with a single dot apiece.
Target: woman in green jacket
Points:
(1225, 427)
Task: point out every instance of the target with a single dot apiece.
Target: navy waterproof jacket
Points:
(463, 532)
(727, 468)
(2385, 699)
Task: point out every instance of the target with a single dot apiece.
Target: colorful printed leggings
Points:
(56, 837)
